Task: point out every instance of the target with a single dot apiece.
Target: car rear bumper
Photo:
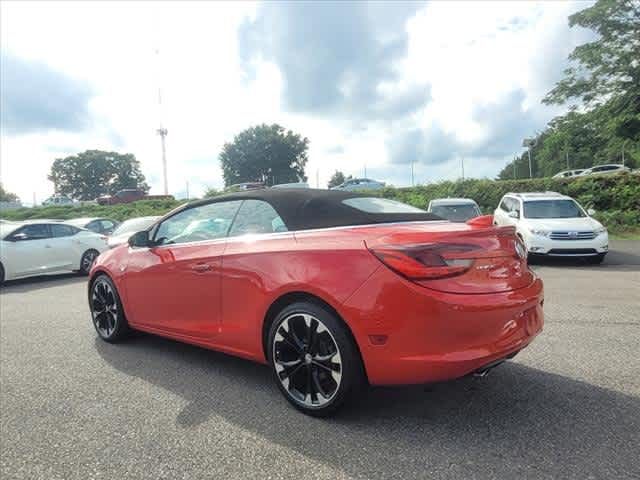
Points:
(408, 334)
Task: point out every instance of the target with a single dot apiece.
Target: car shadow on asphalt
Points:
(30, 284)
(518, 421)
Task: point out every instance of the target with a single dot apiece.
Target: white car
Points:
(605, 169)
(553, 225)
(569, 173)
(58, 200)
(37, 248)
(454, 209)
(127, 228)
(360, 184)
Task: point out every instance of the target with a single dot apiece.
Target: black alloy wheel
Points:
(106, 310)
(315, 363)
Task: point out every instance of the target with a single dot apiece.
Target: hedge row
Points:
(613, 192)
(616, 199)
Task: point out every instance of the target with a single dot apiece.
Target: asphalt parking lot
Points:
(73, 407)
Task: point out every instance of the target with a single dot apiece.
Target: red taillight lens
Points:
(426, 262)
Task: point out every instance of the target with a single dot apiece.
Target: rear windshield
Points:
(380, 205)
(456, 213)
(552, 209)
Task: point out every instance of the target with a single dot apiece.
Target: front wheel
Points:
(106, 310)
(314, 361)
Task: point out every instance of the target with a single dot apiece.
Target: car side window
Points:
(206, 222)
(63, 230)
(107, 225)
(256, 216)
(503, 205)
(32, 232)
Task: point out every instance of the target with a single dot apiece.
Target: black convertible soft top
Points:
(307, 208)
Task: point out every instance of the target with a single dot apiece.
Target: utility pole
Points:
(623, 152)
(462, 165)
(163, 133)
(567, 154)
(529, 143)
(365, 170)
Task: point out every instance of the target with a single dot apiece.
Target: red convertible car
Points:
(332, 289)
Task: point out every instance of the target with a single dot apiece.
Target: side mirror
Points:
(514, 214)
(139, 239)
(591, 212)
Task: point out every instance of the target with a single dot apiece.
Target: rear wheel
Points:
(106, 310)
(313, 358)
(87, 260)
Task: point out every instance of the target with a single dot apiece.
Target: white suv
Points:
(553, 225)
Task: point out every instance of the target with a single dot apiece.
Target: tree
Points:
(93, 173)
(608, 66)
(604, 81)
(338, 178)
(265, 153)
(6, 196)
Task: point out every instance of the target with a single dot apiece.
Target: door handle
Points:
(201, 267)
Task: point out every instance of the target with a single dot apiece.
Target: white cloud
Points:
(458, 59)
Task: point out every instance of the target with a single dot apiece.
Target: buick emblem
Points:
(573, 234)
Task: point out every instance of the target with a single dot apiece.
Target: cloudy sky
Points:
(372, 86)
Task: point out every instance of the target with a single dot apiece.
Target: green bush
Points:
(122, 212)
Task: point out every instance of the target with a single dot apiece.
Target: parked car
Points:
(331, 289)
(127, 228)
(241, 187)
(129, 195)
(41, 247)
(605, 169)
(360, 184)
(454, 209)
(105, 226)
(553, 225)
(292, 185)
(58, 200)
(569, 173)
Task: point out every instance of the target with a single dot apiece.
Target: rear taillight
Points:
(427, 262)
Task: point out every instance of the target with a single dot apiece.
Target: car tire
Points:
(107, 314)
(596, 259)
(1, 275)
(314, 359)
(87, 260)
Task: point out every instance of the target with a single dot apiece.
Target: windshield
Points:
(456, 213)
(134, 225)
(552, 209)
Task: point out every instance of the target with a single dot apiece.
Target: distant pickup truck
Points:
(129, 195)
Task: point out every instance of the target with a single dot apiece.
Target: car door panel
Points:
(174, 286)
